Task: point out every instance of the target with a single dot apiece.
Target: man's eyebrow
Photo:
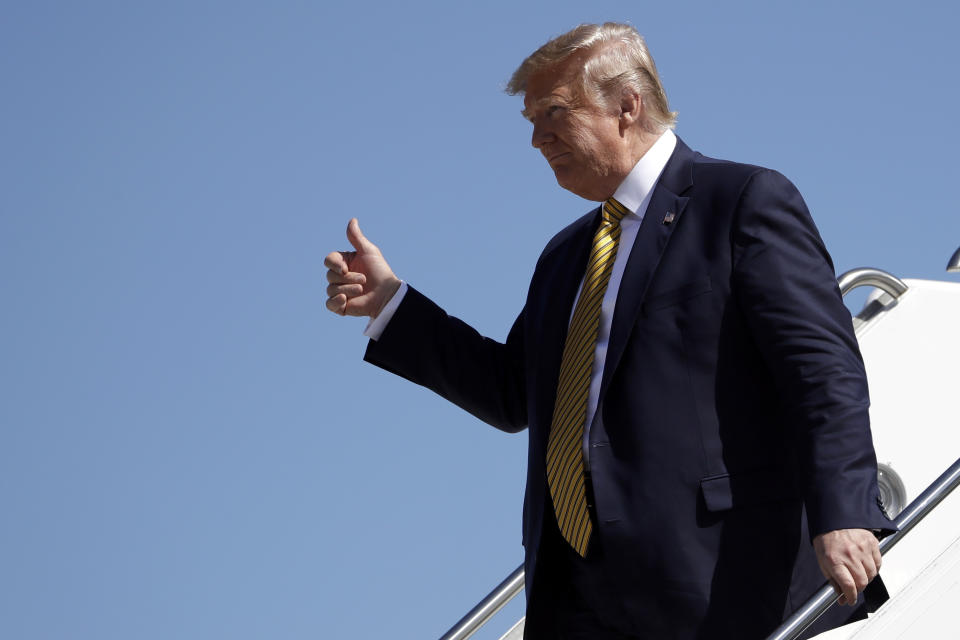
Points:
(546, 100)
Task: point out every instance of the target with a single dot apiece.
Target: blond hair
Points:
(617, 60)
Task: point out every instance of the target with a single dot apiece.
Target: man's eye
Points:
(554, 110)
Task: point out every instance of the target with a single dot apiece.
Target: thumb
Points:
(358, 240)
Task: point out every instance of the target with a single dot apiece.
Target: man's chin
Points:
(566, 184)
(565, 176)
(575, 188)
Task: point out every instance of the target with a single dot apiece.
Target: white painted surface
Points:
(516, 631)
(925, 608)
(912, 355)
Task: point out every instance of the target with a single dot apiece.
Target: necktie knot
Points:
(613, 212)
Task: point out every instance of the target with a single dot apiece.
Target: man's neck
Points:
(636, 146)
(641, 144)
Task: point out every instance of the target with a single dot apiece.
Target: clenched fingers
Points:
(849, 558)
(338, 304)
(849, 581)
(343, 284)
(349, 290)
(350, 277)
(338, 261)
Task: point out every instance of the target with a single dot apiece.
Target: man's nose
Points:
(541, 135)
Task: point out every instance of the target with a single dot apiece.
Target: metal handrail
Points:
(488, 607)
(907, 520)
(867, 277)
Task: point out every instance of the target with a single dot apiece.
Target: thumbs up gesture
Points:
(361, 281)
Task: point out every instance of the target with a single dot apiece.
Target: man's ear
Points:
(631, 109)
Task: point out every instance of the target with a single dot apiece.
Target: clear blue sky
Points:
(190, 444)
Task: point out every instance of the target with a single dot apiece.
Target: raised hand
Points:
(361, 281)
(850, 559)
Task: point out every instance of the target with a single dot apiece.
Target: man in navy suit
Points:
(726, 450)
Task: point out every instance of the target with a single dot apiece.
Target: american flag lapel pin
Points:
(668, 219)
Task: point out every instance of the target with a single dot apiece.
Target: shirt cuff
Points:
(376, 325)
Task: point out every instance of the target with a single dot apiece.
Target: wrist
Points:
(390, 288)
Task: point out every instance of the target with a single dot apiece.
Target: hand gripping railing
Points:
(907, 520)
(489, 606)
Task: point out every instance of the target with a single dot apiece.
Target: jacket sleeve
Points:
(426, 346)
(785, 287)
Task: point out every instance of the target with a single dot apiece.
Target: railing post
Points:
(867, 277)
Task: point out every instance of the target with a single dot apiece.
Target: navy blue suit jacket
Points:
(733, 396)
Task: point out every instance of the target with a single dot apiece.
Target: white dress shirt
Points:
(634, 194)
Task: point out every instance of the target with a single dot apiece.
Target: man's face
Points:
(581, 141)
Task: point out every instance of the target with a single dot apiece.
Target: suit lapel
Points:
(561, 273)
(659, 222)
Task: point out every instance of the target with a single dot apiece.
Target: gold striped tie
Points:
(565, 469)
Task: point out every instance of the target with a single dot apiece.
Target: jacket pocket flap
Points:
(727, 491)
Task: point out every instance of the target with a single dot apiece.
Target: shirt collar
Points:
(634, 191)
